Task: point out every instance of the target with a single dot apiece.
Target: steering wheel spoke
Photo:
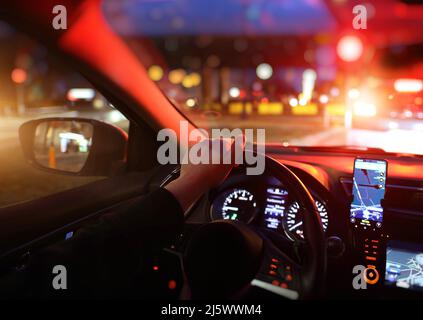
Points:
(278, 273)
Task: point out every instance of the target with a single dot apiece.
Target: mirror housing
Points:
(74, 146)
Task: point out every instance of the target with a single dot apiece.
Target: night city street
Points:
(217, 157)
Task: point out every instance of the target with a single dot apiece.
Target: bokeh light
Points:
(349, 48)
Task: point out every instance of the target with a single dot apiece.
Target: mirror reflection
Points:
(63, 145)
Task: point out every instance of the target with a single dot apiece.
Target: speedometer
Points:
(238, 204)
(294, 219)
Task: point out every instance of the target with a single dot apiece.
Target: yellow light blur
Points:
(302, 100)
(309, 109)
(98, 103)
(191, 80)
(155, 73)
(195, 79)
(408, 85)
(270, 108)
(176, 76)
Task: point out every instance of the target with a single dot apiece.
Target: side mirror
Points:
(74, 146)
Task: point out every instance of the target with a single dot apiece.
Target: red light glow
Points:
(19, 75)
(172, 284)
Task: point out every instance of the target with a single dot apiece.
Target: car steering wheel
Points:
(224, 258)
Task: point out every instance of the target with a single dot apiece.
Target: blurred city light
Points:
(293, 102)
(80, 94)
(191, 80)
(408, 113)
(155, 73)
(393, 125)
(364, 109)
(195, 79)
(19, 75)
(324, 99)
(349, 48)
(115, 116)
(234, 92)
(334, 92)
(264, 71)
(176, 76)
(302, 100)
(190, 103)
(309, 78)
(353, 93)
(98, 103)
(408, 85)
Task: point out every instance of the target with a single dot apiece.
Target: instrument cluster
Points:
(266, 205)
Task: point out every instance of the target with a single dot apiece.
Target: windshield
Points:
(310, 72)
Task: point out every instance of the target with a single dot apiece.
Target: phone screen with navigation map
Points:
(368, 190)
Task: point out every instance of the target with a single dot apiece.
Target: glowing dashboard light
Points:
(81, 94)
(324, 99)
(293, 102)
(264, 71)
(408, 85)
(364, 109)
(349, 48)
(353, 93)
(234, 92)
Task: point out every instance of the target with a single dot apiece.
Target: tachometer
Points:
(238, 204)
(294, 219)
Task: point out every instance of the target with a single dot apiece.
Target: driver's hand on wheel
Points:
(195, 179)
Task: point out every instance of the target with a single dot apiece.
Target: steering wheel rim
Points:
(313, 266)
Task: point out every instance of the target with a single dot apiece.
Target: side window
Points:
(34, 84)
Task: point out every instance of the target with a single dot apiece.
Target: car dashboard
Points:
(390, 257)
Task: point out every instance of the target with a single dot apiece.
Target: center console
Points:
(385, 258)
